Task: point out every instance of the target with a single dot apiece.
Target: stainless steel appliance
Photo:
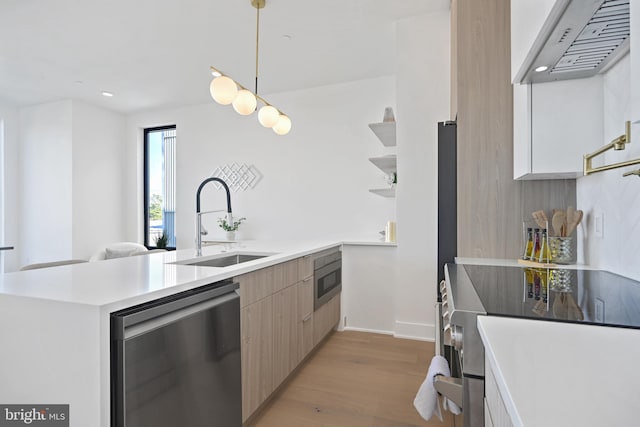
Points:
(327, 273)
(176, 361)
(578, 296)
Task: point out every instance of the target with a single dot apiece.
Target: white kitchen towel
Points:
(450, 406)
(426, 401)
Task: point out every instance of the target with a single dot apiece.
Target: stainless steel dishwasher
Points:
(175, 361)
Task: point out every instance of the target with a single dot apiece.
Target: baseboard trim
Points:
(373, 331)
(415, 331)
(404, 330)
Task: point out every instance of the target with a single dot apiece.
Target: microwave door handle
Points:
(449, 387)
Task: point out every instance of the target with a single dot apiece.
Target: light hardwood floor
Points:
(355, 379)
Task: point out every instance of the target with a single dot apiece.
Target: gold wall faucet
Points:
(617, 144)
(635, 172)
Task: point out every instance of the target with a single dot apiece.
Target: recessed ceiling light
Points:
(105, 93)
(541, 68)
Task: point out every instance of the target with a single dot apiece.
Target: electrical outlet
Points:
(599, 310)
(598, 225)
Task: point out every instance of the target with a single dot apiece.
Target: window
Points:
(159, 185)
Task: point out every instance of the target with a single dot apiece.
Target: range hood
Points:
(580, 38)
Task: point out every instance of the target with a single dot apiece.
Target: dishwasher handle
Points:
(174, 316)
(147, 316)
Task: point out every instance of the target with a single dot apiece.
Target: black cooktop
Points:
(582, 296)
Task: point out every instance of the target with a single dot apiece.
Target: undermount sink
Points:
(223, 261)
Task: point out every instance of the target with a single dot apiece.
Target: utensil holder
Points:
(561, 250)
(560, 280)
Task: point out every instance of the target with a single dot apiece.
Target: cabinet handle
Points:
(307, 317)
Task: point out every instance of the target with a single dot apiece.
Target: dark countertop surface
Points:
(579, 296)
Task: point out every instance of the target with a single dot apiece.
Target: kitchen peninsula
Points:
(54, 322)
(537, 379)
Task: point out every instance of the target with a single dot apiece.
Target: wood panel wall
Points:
(491, 205)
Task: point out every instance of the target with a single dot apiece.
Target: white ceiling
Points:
(157, 53)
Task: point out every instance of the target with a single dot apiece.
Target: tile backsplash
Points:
(608, 194)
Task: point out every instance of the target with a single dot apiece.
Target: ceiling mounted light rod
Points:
(224, 90)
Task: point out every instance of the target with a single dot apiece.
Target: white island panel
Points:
(51, 354)
(563, 374)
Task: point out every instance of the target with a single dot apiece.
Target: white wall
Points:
(46, 172)
(315, 180)
(9, 184)
(71, 198)
(369, 287)
(422, 84)
(98, 179)
(608, 193)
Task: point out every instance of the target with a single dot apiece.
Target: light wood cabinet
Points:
(285, 274)
(305, 267)
(285, 322)
(256, 325)
(256, 285)
(305, 317)
(325, 319)
(277, 326)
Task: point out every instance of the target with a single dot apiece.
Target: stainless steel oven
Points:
(327, 273)
(458, 340)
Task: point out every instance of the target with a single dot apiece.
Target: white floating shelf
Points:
(386, 164)
(385, 192)
(386, 132)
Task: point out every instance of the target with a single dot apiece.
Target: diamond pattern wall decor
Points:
(237, 176)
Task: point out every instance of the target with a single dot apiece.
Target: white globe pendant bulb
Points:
(245, 102)
(223, 90)
(268, 116)
(283, 126)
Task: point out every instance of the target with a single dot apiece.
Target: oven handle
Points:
(439, 350)
(449, 387)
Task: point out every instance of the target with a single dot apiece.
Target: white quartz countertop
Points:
(123, 282)
(562, 374)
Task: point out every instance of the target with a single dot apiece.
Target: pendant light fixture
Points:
(225, 90)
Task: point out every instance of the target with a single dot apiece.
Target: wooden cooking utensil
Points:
(573, 310)
(557, 222)
(571, 212)
(560, 307)
(544, 217)
(540, 218)
(573, 222)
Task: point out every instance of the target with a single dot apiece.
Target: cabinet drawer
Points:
(305, 267)
(325, 319)
(285, 275)
(256, 285)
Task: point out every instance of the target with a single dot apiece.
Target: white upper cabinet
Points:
(555, 123)
(635, 61)
(527, 19)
